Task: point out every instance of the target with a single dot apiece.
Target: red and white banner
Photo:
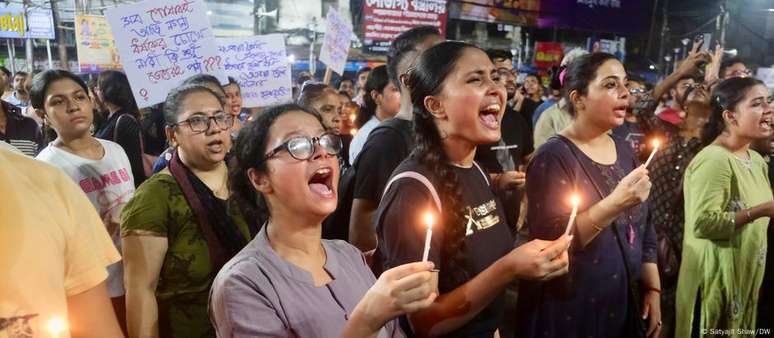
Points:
(383, 20)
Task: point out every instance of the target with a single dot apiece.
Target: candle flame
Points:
(56, 325)
(656, 142)
(353, 131)
(575, 200)
(429, 219)
(352, 117)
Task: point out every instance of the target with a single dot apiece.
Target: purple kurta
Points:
(259, 294)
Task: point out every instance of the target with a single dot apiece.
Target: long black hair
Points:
(377, 80)
(249, 152)
(427, 79)
(580, 73)
(725, 96)
(115, 89)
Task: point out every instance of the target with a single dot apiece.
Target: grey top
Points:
(259, 294)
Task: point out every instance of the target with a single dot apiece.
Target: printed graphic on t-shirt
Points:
(481, 217)
(17, 326)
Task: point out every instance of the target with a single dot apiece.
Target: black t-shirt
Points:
(382, 152)
(632, 133)
(514, 131)
(401, 233)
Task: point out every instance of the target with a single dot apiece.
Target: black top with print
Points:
(401, 231)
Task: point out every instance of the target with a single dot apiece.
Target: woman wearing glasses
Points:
(178, 230)
(288, 282)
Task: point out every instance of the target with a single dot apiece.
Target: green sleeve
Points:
(707, 190)
(147, 213)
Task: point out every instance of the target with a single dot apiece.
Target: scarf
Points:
(224, 240)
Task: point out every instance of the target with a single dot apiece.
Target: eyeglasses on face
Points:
(200, 123)
(303, 148)
(637, 91)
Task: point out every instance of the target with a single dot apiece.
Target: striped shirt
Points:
(20, 131)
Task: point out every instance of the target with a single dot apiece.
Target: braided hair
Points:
(428, 79)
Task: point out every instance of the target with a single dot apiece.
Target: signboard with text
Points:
(383, 20)
(163, 42)
(94, 44)
(13, 22)
(260, 66)
(548, 54)
(612, 16)
(40, 23)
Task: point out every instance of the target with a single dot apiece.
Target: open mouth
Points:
(321, 182)
(765, 125)
(620, 111)
(215, 146)
(488, 116)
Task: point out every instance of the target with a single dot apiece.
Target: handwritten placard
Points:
(338, 33)
(163, 42)
(260, 66)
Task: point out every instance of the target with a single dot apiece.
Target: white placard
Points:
(260, 66)
(335, 48)
(766, 75)
(163, 42)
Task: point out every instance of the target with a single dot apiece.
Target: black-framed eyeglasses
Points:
(200, 123)
(303, 147)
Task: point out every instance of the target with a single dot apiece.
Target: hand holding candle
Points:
(656, 142)
(574, 200)
(429, 222)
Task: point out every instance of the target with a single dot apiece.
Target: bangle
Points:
(597, 228)
(652, 289)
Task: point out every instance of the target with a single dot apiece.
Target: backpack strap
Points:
(483, 173)
(419, 177)
(426, 182)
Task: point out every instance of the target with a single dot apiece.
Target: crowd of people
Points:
(427, 197)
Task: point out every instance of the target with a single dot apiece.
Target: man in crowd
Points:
(362, 77)
(674, 113)
(346, 85)
(391, 141)
(20, 96)
(630, 131)
(734, 67)
(19, 131)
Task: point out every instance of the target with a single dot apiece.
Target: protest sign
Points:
(94, 44)
(40, 23)
(13, 22)
(260, 66)
(335, 48)
(163, 42)
(548, 54)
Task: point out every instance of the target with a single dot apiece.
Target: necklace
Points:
(746, 162)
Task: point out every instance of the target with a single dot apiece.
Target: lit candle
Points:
(655, 143)
(428, 235)
(352, 117)
(56, 326)
(353, 131)
(574, 200)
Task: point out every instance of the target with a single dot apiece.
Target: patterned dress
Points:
(592, 300)
(160, 209)
(722, 265)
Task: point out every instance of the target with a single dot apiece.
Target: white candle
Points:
(656, 143)
(56, 326)
(575, 200)
(428, 235)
